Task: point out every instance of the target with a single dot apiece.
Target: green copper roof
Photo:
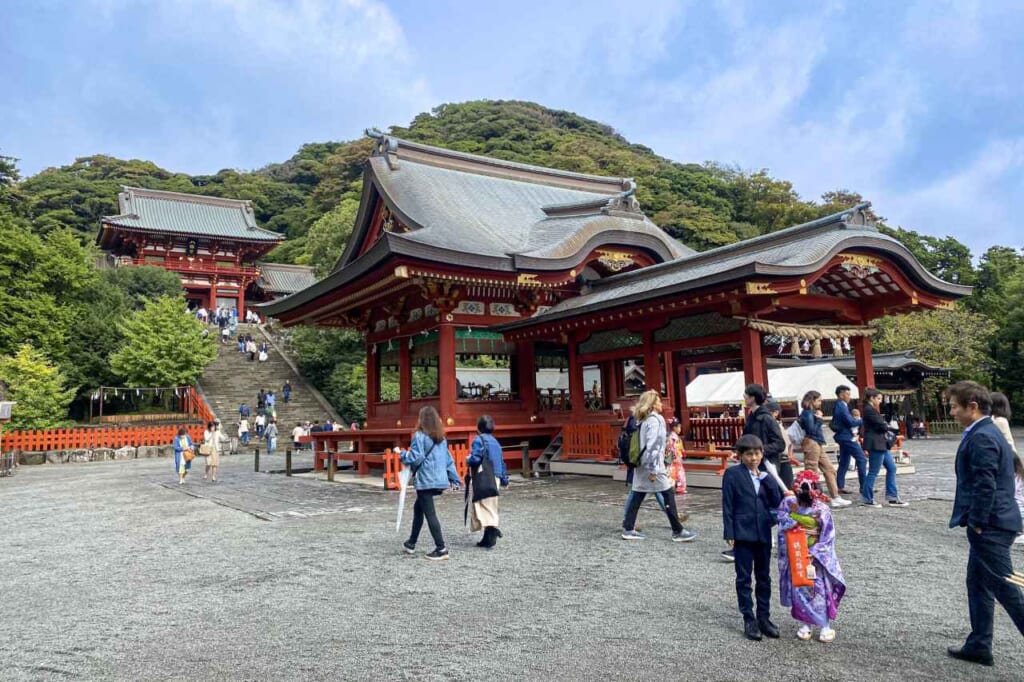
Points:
(284, 279)
(189, 214)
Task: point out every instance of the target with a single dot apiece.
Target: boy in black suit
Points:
(750, 498)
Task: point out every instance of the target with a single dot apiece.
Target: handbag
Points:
(890, 440)
(206, 449)
(189, 454)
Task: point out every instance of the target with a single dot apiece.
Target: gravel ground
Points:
(110, 571)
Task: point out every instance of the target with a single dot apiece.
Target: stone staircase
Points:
(232, 379)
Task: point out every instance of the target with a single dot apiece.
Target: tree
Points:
(957, 339)
(1007, 343)
(945, 257)
(330, 234)
(40, 282)
(140, 283)
(163, 346)
(38, 388)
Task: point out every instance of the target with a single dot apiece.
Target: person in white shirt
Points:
(297, 433)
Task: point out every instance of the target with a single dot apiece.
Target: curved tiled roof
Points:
(279, 278)
(187, 214)
(523, 216)
(793, 251)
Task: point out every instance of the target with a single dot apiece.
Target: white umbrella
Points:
(403, 484)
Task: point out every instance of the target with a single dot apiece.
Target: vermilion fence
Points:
(89, 437)
(724, 432)
(590, 441)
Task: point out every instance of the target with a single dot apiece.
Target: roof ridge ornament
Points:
(857, 216)
(385, 146)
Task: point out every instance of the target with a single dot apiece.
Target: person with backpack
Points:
(433, 471)
(813, 444)
(629, 453)
(487, 473)
(650, 475)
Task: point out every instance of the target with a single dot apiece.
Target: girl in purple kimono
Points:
(814, 606)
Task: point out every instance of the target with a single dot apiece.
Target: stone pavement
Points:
(112, 571)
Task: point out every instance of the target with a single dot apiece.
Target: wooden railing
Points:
(90, 437)
(722, 432)
(590, 441)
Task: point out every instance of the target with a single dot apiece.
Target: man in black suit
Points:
(749, 500)
(985, 505)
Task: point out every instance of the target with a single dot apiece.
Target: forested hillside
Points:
(312, 198)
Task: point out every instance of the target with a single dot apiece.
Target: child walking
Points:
(814, 605)
(434, 470)
(750, 498)
(674, 455)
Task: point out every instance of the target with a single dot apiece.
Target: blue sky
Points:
(917, 105)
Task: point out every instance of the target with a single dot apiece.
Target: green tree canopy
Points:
(957, 339)
(163, 345)
(38, 388)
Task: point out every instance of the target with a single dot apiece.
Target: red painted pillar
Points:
(652, 368)
(672, 407)
(372, 382)
(575, 382)
(526, 365)
(404, 377)
(682, 409)
(754, 370)
(446, 370)
(212, 305)
(241, 302)
(864, 362)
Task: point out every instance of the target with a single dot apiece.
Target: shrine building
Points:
(456, 258)
(213, 244)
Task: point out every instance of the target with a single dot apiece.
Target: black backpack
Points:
(625, 440)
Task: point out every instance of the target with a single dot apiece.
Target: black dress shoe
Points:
(970, 656)
(768, 628)
(751, 631)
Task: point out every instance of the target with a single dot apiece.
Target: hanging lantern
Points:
(816, 349)
(794, 346)
(806, 346)
(837, 348)
(846, 343)
(782, 345)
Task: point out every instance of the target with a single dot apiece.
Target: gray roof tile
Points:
(284, 279)
(191, 214)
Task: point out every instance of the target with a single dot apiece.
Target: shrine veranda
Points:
(455, 257)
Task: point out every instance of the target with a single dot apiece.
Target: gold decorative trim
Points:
(945, 305)
(859, 260)
(527, 279)
(760, 288)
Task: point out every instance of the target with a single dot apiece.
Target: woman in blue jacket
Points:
(487, 470)
(433, 470)
(182, 444)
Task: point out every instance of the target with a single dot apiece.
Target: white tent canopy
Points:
(788, 384)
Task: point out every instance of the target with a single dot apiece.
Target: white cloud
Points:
(970, 202)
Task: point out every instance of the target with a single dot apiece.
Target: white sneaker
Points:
(839, 502)
(804, 633)
(826, 635)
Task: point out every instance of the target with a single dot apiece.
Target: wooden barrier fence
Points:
(590, 441)
(723, 432)
(90, 437)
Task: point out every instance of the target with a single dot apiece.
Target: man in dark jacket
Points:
(985, 505)
(762, 424)
(843, 424)
(876, 442)
(749, 500)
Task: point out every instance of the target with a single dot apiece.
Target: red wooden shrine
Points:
(456, 257)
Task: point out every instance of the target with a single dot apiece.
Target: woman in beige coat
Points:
(218, 442)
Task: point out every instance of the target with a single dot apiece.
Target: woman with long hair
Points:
(651, 476)
(433, 471)
(813, 446)
(1001, 416)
